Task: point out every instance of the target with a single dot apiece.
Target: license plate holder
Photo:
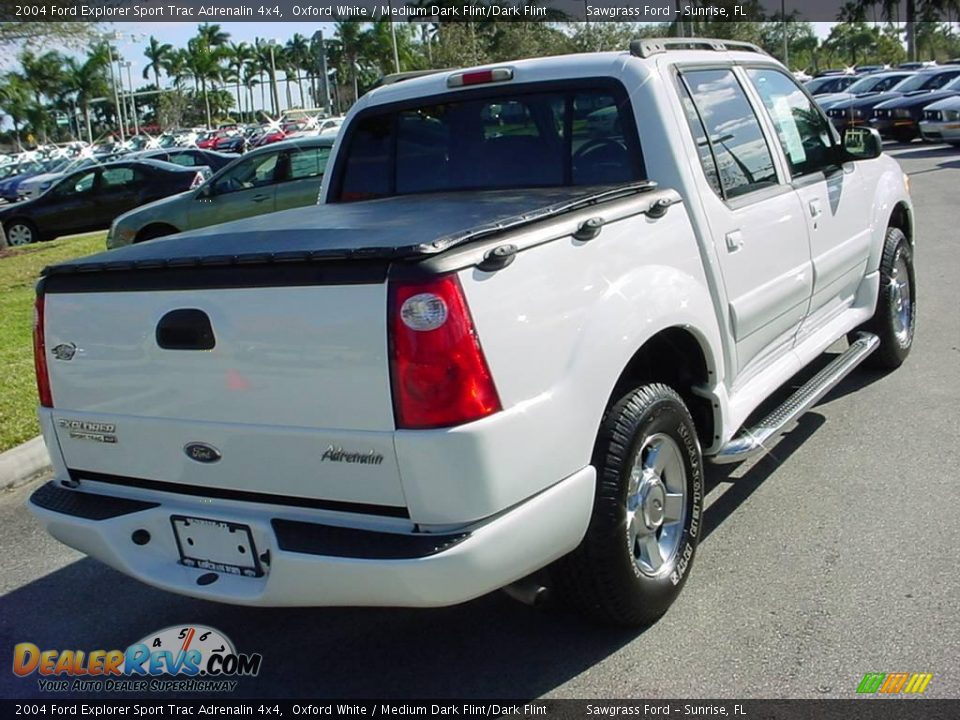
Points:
(216, 545)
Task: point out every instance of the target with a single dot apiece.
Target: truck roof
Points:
(642, 53)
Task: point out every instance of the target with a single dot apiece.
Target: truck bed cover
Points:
(398, 227)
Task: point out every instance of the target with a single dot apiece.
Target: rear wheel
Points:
(646, 521)
(896, 315)
(21, 232)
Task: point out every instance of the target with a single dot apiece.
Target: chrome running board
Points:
(752, 440)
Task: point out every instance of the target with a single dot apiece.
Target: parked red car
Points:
(210, 140)
(273, 136)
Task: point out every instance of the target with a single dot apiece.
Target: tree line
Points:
(53, 96)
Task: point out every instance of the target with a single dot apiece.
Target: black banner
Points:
(858, 709)
(639, 11)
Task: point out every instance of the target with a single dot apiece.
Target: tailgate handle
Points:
(185, 329)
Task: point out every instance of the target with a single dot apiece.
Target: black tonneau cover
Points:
(399, 227)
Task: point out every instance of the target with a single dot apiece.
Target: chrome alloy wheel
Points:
(656, 504)
(900, 300)
(19, 234)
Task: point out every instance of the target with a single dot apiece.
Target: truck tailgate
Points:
(292, 396)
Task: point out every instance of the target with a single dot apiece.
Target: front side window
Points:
(531, 139)
(76, 184)
(743, 160)
(802, 130)
(251, 173)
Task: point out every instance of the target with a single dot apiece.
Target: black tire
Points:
(606, 576)
(154, 231)
(17, 229)
(894, 328)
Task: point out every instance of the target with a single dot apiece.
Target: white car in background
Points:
(941, 121)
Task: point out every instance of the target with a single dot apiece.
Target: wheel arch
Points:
(679, 357)
(147, 232)
(902, 217)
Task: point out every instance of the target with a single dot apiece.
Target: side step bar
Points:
(753, 440)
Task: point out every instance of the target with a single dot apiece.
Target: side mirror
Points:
(205, 192)
(861, 143)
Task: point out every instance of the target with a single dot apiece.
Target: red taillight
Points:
(40, 355)
(439, 375)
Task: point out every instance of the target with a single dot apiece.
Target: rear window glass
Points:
(536, 139)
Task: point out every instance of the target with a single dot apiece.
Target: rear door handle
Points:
(734, 240)
(260, 198)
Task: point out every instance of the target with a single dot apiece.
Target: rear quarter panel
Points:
(558, 326)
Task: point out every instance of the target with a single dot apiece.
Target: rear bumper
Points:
(322, 564)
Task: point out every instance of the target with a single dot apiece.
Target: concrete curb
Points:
(20, 465)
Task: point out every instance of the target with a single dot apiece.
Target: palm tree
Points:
(267, 57)
(251, 77)
(88, 79)
(350, 38)
(175, 65)
(203, 65)
(238, 55)
(15, 101)
(212, 35)
(42, 73)
(159, 55)
(298, 54)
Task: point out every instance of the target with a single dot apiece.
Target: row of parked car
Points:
(195, 174)
(194, 187)
(901, 104)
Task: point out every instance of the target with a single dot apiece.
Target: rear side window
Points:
(534, 139)
(308, 163)
(118, 177)
(185, 159)
(739, 152)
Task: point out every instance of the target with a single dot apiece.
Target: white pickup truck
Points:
(533, 298)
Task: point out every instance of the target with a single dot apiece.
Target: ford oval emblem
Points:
(201, 452)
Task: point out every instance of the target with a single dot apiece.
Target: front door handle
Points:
(260, 198)
(815, 209)
(734, 240)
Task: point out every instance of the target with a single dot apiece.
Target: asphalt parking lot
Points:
(834, 556)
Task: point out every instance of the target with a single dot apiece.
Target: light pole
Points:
(393, 36)
(133, 98)
(274, 95)
(116, 36)
(113, 81)
(324, 77)
(783, 25)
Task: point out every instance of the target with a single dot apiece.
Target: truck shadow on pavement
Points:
(492, 647)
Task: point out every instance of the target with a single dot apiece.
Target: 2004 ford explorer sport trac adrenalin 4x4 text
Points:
(503, 342)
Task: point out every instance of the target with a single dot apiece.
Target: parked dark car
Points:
(188, 157)
(9, 186)
(90, 199)
(900, 118)
(237, 145)
(859, 110)
(867, 84)
(830, 84)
